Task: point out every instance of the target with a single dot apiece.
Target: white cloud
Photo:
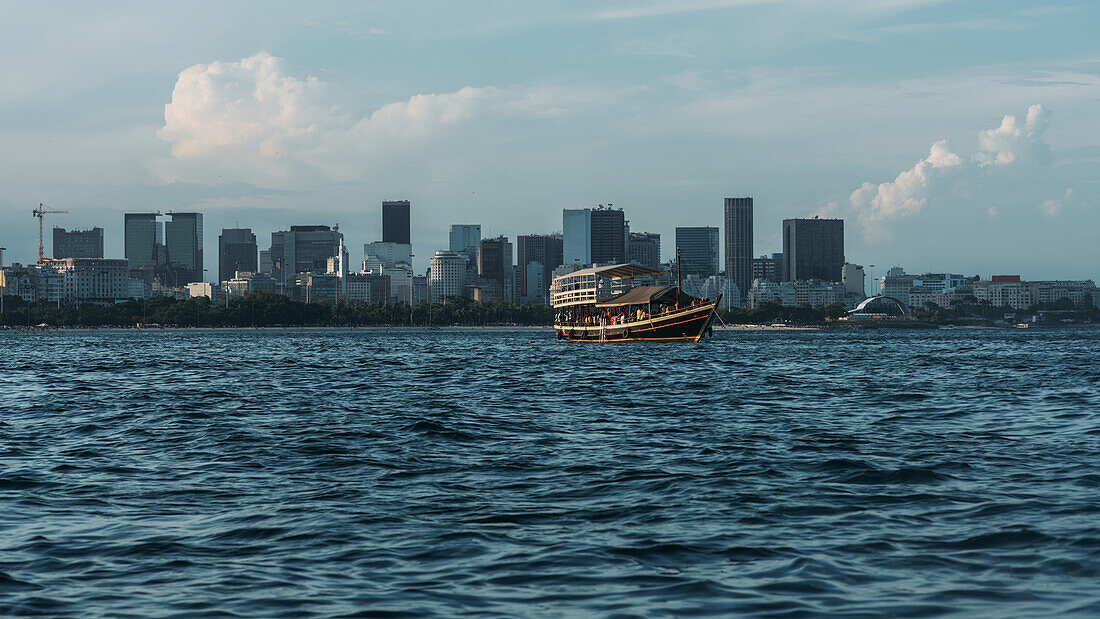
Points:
(908, 193)
(251, 121)
(1016, 141)
(1016, 144)
(1054, 206)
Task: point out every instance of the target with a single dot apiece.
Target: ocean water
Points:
(375, 472)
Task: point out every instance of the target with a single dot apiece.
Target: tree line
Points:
(265, 309)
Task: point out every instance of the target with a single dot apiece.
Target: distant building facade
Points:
(302, 249)
(183, 239)
(395, 222)
(768, 268)
(237, 251)
(446, 276)
(537, 255)
(644, 248)
(78, 243)
(594, 236)
(699, 250)
(494, 270)
(738, 224)
(813, 249)
(142, 234)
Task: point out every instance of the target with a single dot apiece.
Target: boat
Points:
(627, 303)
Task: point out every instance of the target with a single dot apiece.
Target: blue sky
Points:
(889, 113)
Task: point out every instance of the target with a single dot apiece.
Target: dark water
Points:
(778, 473)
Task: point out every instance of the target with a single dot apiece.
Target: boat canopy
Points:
(602, 283)
(642, 295)
(616, 271)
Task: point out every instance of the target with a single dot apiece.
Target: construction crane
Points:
(39, 212)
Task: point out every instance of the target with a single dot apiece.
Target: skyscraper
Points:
(183, 238)
(608, 236)
(644, 248)
(699, 251)
(537, 255)
(466, 239)
(77, 243)
(577, 238)
(738, 220)
(813, 249)
(446, 276)
(395, 222)
(301, 249)
(494, 269)
(141, 234)
(236, 252)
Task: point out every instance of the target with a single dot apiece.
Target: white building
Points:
(73, 280)
(854, 280)
(577, 236)
(804, 292)
(401, 278)
(447, 276)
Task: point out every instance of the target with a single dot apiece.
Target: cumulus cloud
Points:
(1014, 145)
(1054, 206)
(253, 120)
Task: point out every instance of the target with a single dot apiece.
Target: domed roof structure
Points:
(881, 306)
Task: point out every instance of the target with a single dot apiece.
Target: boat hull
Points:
(686, 325)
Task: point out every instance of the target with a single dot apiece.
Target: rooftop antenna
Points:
(39, 212)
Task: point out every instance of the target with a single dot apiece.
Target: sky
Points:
(950, 136)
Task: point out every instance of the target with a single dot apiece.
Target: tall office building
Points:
(77, 243)
(302, 249)
(389, 254)
(395, 222)
(768, 269)
(494, 270)
(577, 237)
(813, 249)
(537, 255)
(465, 240)
(594, 236)
(608, 236)
(446, 276)
(699, 251)
(738, 220)
(183, 238)
(141, 235)
(644, 248)
(236, 252)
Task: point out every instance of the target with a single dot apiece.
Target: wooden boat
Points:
(625, 303)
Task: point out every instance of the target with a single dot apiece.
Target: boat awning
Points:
(614, 271)
(639, 296)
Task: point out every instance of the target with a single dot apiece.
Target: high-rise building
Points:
(236, 252)
(395, 222)
(577, 236)
(446, 276)
(768, 269)
(699, 250)
(813, 249)
(608, 236)
(302, 249)
(141, 235)
(644, 248)
(594, 236)
(537, 255)
(183, 238)
(389, 253)
(465, 240)
(738, 220)
(78, 243)
(494, 270)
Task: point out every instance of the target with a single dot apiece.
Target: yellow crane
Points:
(39, 212)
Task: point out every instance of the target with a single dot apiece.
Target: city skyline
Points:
(839, 111)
